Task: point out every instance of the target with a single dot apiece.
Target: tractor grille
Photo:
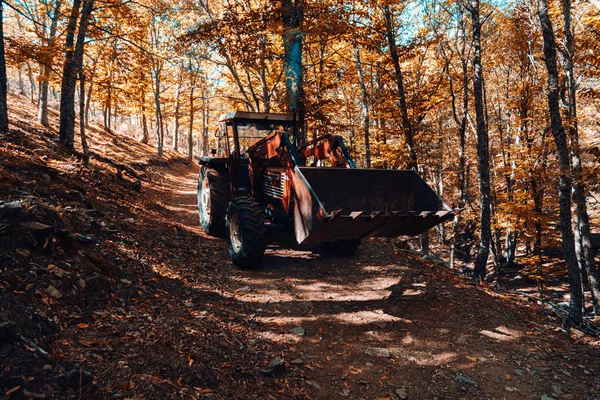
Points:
(272, 184)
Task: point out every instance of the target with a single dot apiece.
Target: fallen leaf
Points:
(11, 391)
(83, 326)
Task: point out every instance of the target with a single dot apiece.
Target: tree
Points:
(582, 231)
(3, 80)
(73, 64)
(292, 12)
(482, 146)
(560, 140)
(46, 64)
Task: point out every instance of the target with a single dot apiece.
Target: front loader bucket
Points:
(334, 204)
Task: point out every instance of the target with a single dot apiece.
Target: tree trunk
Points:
(45, 75)
(482, 148)
(3, 79)
(31, 83)
(177, 109)
(73, 63)
(292, 15)
(406, 124)
(145, 135)
(191, 131)
(84, 144)
(583, 243)
(366, 106)
(159, 122)
(560, 139)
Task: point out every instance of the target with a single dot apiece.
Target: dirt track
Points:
(442, 336)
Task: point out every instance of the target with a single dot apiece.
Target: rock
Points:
(519, 372)
(511, 389)
(556, 390)
(53, 292)
(34, 395)
(544, 397)
(363, 382)
(80, 238)
(345, 392)
(79, 379)
(297, 361)
(378, 352)
(36, 226)
(401, 393)
(298, 331)
(461, 339)
(576, 333)
(464, 379)
(130, 220)
(8, 332)
(126, 281)
(444, 331)
(276, 367)
(10, 209)
(313, 384)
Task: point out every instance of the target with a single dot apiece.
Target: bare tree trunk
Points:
(366, 105)
(159, 122)
(84, 144)
(482, 147)
(177, 108)
(560, 139)
(583, 242)
(45, 66)
(73, 62)
(293, 14)
(145, 135)
(21, 83)
(31, 83)
(3, 79)
(406, 124)
(191, 131)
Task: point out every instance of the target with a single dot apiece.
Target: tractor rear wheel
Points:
(213, 196)
(343, 247)
(246, 232)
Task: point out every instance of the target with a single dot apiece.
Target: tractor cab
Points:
(238, 130)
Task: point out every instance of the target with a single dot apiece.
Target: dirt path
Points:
(384, 323)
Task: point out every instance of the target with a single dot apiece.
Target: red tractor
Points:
(258, 178)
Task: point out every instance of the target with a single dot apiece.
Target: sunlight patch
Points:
(369, 317)
(424, 357)
(502, 334)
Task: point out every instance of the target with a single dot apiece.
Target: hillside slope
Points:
(109, 289)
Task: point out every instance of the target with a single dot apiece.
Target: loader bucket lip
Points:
(360, 203)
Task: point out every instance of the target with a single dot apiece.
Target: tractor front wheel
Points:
(246, 232)
(213, 196)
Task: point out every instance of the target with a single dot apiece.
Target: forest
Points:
(494, 103)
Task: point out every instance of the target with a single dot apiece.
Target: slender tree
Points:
(582, 231)
(293, 15)
(3, 80)
(483, 156)
(46, 65)
(560, 139)
(73, 63)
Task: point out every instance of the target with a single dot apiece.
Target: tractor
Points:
(259, 178)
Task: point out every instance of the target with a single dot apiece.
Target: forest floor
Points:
(109, 290)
